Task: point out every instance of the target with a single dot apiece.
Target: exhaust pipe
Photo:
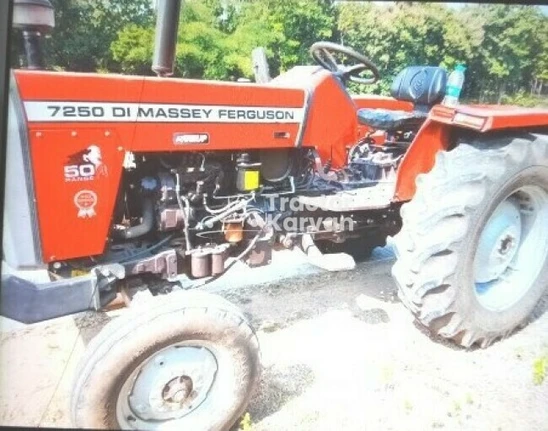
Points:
(35, 19)
(167, 23)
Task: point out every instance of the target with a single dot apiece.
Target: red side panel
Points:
(75, 188)
(332, 121)
(235, 116)
(81, 125)
(232, 133)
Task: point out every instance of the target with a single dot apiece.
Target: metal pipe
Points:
(141, 229)
(35, 19)
(210, 222)
(186, 217)
(185, 210)
(219, 210)
(167, 24)
(33, 50)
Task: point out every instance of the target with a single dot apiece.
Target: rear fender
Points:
(420, 157)
(444, 123)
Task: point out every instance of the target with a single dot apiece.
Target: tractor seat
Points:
(424, 86)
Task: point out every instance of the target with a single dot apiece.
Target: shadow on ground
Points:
(278, 386)
(89, 324)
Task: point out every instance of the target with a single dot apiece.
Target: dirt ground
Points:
(339, 353)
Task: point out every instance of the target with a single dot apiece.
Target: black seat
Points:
(424, 86)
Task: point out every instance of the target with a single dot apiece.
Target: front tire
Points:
(189, 362)
(472, 255)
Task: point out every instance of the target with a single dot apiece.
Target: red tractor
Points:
(120, 181)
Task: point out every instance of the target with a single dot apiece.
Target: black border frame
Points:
(6, 9)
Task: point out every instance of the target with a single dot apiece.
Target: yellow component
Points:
(251, 180)
(77, 272)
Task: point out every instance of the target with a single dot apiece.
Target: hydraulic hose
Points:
(141, 229)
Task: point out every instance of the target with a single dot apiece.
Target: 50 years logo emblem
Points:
(85, 165)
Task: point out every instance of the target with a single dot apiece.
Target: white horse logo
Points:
(93, 156)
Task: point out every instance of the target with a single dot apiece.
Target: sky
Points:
(457, 5)
(460, 5)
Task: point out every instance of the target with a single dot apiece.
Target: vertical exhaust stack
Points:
(34, 18)
(167, 23)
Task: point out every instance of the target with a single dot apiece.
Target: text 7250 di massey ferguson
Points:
(119, 181)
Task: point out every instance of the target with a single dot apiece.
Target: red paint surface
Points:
(331, 127)
(434, 136)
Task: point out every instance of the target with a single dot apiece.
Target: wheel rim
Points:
(512, 249)
(168, 386)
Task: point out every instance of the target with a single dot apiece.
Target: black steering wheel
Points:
(322, 53)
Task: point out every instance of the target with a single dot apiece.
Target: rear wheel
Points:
(472, 255)
(190, 362)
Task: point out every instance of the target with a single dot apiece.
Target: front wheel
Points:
(190, 362)
(472, 255)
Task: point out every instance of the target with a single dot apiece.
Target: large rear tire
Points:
(472, 255)
(189, 362)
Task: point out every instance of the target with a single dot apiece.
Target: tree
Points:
(202, 46)
(511, 46)
(504, 47)
(216, 38)
(84, 31)
(540, 72)
(288, 28)
(133, 49)
(401, 35)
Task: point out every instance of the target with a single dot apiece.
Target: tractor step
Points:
(330, 262)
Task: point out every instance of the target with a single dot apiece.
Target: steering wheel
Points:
(322, 53)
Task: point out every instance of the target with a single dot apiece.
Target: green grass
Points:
(526, 100)
(245, 423)
(540, 369)
(522, 99)
(469, 398)
(408, 405)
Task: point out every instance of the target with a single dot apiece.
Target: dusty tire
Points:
(443, 270)
(172, 337)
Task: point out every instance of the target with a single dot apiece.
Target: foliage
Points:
(509, 50)
(215, 42)
(200, 45)
(287, 29)
(504, 47)
(245, 423)
(525, 99)
(395, 36)
(85, 29)
(540, 370)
